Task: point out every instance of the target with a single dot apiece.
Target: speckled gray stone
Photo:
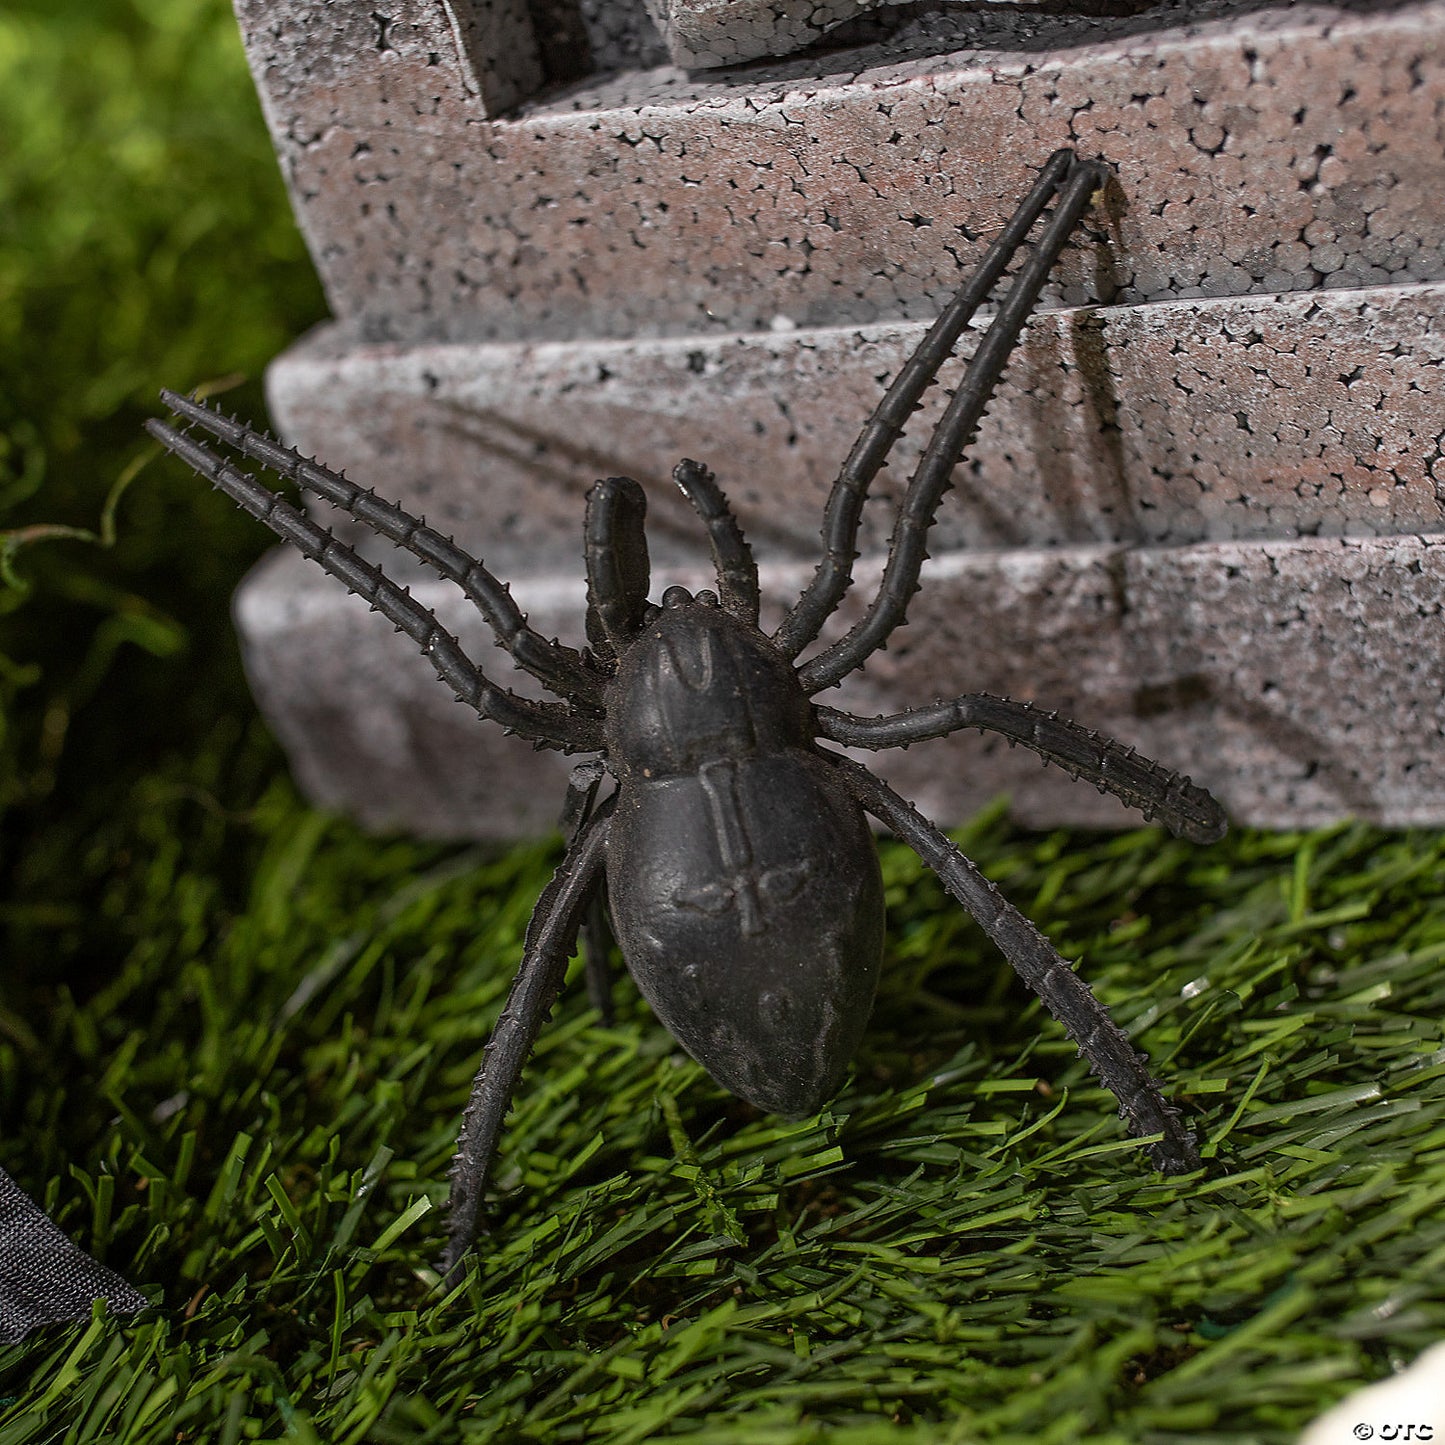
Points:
(1208, 518)
(416, 65)
(1302, 681)
(1128, 512)
(1256, 417)
(703, 34)
(1290, 149)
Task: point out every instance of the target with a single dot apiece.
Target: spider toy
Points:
(740, 874)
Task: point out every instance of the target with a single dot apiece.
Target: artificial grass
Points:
(254, 1116)
(236, 1035)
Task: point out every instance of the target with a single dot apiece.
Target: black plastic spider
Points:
(740, 873)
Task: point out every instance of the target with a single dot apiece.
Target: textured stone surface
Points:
(1209, 519)
(1300, 680)
(1283, 150)
(621, 35)
(708, 33)
(1257, 417)
(413, 65)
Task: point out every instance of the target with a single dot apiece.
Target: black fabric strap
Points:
(44, 1278)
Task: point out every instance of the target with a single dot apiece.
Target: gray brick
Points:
(1302, 681)
(1247, 418)
(649, 203)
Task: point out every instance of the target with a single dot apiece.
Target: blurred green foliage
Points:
(145, 239)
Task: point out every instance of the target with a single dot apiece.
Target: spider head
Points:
(696, 684)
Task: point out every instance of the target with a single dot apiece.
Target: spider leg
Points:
(845, 503)
(547, 724)
(550, 939)
(1110, 1054)
(737, 573)
(1186, 810)
(618, 571)
(561, 668)
(932, 479)
(596, 945)
(576, 810)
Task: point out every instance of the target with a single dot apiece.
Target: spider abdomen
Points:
(742, 877)
(748, 905)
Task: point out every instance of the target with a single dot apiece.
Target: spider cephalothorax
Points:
(740, 875)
